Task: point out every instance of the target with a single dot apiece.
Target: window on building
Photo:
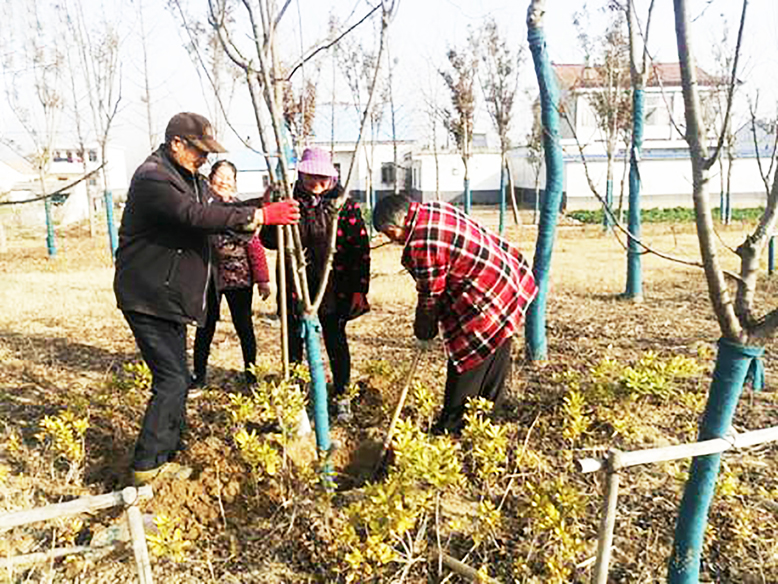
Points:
(265, 181)
(93, 156)
(387, 173)
(479, 141)
(656, 110)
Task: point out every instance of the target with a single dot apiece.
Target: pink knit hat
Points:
(317, 161)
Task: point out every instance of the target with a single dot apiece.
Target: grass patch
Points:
(668, 215)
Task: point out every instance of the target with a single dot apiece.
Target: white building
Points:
(20, 181)
(664, 168)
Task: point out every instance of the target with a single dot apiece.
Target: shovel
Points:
(397, 410)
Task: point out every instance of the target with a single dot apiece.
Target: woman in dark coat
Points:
(239, 264)
(345, 297)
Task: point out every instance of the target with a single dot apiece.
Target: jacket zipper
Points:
(198, 195)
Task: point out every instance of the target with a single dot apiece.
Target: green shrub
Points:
(668, 215)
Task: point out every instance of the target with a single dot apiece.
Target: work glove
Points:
(286, 212)
(425, 327)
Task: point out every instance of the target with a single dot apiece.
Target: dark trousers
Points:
(239, 300)
(485, 380)
(162, 344)
(333, 328)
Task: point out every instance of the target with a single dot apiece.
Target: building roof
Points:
(576, 76)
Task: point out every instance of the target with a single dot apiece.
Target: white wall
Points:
(484, 171)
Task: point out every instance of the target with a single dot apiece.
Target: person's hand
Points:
(286, 212)
(264, 290)
(425, 327)
(359, 304)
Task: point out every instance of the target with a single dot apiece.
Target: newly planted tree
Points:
(35, 71)
(499, 80)
(458, 121)
(253, 50)
(606, 82)
(535, 328)
(638, 66)
(743, 327)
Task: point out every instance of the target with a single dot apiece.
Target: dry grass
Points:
(62, 342)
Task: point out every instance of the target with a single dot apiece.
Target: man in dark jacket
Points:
(163, 264)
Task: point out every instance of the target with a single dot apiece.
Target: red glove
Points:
(286, 212)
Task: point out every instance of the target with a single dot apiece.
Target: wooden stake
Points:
(82, 505)
(466, 571)
(138, 535)
(608, 520)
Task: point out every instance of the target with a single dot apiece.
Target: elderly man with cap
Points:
(345, 296)
(162, 271)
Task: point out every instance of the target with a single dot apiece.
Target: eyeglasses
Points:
(194, 147)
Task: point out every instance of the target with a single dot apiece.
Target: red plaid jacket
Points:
(479, 284)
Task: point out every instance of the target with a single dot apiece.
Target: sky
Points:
(421, 32)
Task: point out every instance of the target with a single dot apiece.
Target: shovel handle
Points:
(400, 403)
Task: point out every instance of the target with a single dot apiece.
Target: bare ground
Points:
(63, 345)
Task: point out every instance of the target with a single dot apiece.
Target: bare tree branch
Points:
(707, 164)
(317, 49)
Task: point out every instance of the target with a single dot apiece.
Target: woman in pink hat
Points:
(345, 297)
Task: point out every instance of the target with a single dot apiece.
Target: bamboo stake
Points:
(82, 505)
(608, 520)
(466, 571)
(138, 535)
(668, 453)
(41, 557)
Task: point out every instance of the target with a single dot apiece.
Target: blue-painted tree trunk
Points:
(634, 289)
(771, 257)
(468, 202)
(728, 214)
(51, 244)
(722, 208)
(607, 221)
(311, 331)
(734, 364)
(503, 180)
(113, 239)
(535, 328)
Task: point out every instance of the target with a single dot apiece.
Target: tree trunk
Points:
(535, 329)
(502, 194)
(634, 289)
(734, 360)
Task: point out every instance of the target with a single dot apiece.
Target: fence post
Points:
(608, 519)
(138, 535)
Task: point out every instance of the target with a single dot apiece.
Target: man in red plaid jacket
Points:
(470, 282)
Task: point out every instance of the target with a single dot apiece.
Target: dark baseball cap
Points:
(194, 128)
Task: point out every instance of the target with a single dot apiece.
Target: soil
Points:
(63, 346)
